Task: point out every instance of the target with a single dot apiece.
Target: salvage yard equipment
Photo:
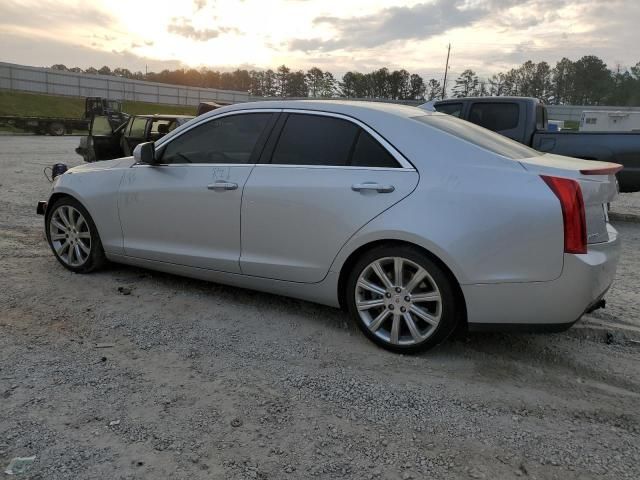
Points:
(42, 125)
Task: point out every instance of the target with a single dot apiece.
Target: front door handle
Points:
(359, 187)
(222, 185)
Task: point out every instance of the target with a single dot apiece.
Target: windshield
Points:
(479, 136)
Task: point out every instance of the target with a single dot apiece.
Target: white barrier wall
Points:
(54, 82)
(574, 112)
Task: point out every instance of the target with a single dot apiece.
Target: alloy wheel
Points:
(70, 235)
(398, 301)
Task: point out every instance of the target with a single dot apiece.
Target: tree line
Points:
(586, 81)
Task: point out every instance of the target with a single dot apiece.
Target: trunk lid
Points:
(597, 181)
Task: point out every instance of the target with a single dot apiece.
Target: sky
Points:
(487, 36)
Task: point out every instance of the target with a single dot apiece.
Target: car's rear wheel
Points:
(401, 299)
(73, 236)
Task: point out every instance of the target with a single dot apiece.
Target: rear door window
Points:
(315, 140)
(495, 116)
(138, 127)
(454, 109)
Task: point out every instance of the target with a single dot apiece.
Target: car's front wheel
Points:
(401, 299)
(73, 236)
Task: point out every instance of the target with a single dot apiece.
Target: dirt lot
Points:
(206, 381)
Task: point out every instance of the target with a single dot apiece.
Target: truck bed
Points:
(42, 125)
(617, 147)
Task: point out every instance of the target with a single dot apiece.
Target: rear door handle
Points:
(359, 187)
(222, 185)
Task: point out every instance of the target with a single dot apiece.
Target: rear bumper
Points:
(544, 306)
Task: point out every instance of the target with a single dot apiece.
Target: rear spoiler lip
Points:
(610, 169)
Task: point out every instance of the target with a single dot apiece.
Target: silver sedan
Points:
(414, 222)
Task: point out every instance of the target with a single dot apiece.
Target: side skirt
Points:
(324, 292)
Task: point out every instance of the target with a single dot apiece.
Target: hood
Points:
(125, 162)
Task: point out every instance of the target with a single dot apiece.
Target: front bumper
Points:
(41, 209)
(553, 305)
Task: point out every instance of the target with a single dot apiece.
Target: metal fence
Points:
(55, 82)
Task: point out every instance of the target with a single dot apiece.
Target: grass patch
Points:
(39, 105)
(36, 105)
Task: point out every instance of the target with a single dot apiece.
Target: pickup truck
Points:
(107, 140)
(525, 120)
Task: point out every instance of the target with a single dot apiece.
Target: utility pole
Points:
(446, 70)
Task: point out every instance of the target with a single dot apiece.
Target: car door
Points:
(327, 176)
(186, 209)
(104, 141)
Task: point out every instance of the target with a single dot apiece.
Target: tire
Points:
(56, 129)
(411, 315)
(67, 222)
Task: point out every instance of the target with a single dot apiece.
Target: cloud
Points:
(421, 21)
(199, 4)
(20, 49)
(50, 12)
(183, 27)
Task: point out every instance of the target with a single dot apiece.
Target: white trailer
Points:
(609, 121)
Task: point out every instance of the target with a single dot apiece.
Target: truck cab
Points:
(515, 117)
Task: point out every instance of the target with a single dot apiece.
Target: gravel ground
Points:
(198, 380)
(627, 204)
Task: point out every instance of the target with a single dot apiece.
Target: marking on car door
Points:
(221, 173)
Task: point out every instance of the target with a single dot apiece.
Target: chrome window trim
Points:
(404, 163)
(161, 143)
(341, 167)
(195, 165)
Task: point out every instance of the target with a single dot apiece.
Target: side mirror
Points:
(145, 153)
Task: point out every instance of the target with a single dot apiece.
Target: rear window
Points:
(495, 116)
(454, 109)
(478, 136)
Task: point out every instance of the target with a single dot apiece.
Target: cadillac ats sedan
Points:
(414, 222)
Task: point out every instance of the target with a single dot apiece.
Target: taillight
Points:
(575, 227)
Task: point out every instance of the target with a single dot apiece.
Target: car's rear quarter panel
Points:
(483, 215)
